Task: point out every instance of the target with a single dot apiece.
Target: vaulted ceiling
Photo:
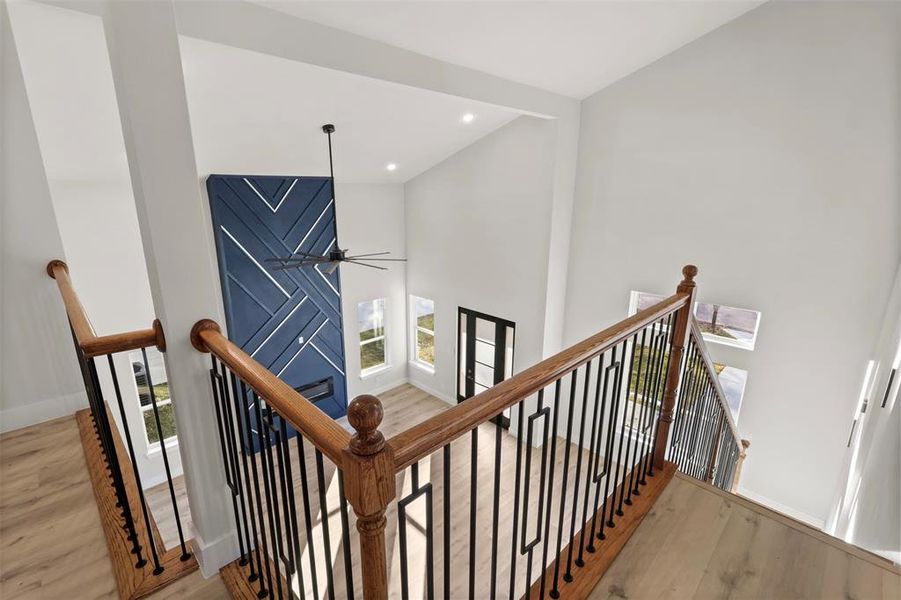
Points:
(571, 48)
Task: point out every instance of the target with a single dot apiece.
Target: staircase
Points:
(602, 435)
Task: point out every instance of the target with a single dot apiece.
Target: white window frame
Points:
(414, 337)
(152, 446)
(384, 337)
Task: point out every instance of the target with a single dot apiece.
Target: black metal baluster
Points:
(231, 478)
(610, 495)
(659, 385)
(630, 430)
(241, 415)
(133, 536)
(555, 593)
(648, 402)
(326, 537)
(592, 461)
(307, 514)
(233, 446)
(415, 492)
(280, 488)
(495, 510)
(446, 456)
(586, 381)
(185, 555)
(473, 498)
(528, 548)
(624, 428)
(245, 411)
(516, 486)
(292, 507)
(608, 442)
(550, 488)
(271, 505)
(345, 538)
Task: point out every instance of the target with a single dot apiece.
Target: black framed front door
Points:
(484, 354)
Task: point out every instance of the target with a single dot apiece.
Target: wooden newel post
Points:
(741, 462)
(369, 486)
(677, 348)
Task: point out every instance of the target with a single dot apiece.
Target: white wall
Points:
(39, 376)
(371, 219)
(767, 154)
(478, 229)
(867, 508)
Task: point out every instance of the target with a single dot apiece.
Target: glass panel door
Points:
(484, 354)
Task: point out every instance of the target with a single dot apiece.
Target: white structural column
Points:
(147, 73)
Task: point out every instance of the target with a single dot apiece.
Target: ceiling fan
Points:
(333, 258)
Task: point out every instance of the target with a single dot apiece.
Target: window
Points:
(727, 325)
(424, 335)
(158, 377)
(733, 381)
(720, 324)
(371, 321)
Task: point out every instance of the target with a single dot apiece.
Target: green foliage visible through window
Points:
(371, 323)
(424, 313)
(167, 420)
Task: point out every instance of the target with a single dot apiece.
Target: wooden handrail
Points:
(316, 426)
(711, 372)
(421, 440)
(92, 344)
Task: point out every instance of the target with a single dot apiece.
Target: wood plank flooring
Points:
(696, 543)
(699, 542)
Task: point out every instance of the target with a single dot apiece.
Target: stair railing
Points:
(539, 513)
(141, 561)
(705, 443)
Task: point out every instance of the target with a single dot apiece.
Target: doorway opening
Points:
(484, 355)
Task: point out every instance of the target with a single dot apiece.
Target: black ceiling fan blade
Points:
(296, 265)
(369, 254)
(332, 267)
(380, 259)
(362, 264)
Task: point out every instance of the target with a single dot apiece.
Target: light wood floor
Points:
(51, 541)
(698, 542)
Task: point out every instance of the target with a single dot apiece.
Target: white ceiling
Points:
(572, 48)
(254, 113)
(250, 113)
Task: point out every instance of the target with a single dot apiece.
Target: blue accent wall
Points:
(289, 321)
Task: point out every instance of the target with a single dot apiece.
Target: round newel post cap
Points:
(199, 326)
(365, 414)
(689, 272)
(745, 444)
(51, 266)
(160, 335)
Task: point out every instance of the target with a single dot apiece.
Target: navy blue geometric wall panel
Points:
(289, 321)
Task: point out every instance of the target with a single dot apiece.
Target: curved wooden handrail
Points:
(92, 344)
(698, 337)
(421, 440)
(316, 426)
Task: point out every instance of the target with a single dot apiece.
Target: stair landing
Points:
(700, 542)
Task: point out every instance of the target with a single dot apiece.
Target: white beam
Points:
(147, 74)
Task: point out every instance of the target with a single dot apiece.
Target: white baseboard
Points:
(428, 390)
(214, 555)
(798, 515)
(44, 410)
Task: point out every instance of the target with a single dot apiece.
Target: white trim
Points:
(304, 345)
(279, 326)
(42, 410)
(373, 371)
(816, 522)
(321, 353)
(319, 218)
(422, 366)
(431, 391)
(214, 555)
(259, 266)
(266, 202)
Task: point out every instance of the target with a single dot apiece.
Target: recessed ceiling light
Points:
(468, 118)
(391, 167)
